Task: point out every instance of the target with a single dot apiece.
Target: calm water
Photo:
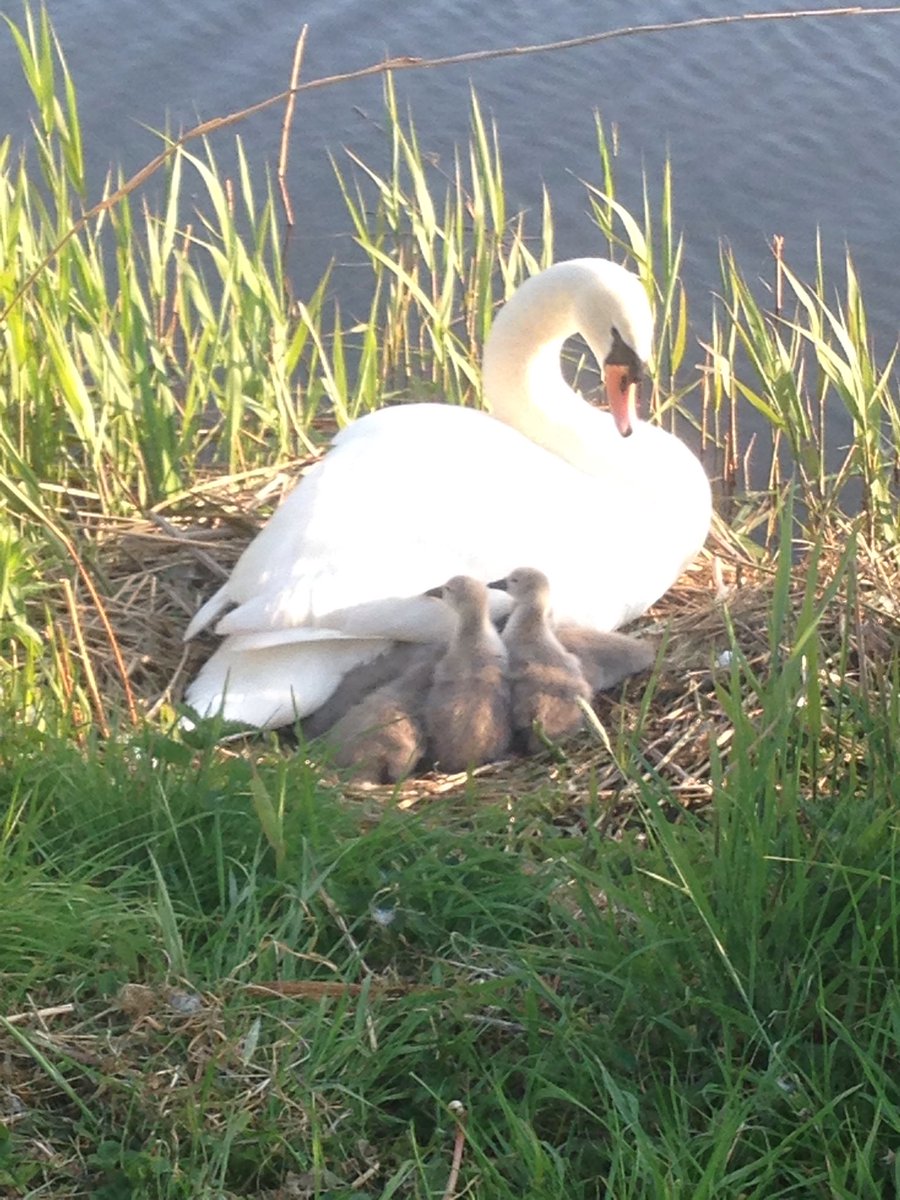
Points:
(787, 127)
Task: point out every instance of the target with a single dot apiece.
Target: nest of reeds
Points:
(149, 577)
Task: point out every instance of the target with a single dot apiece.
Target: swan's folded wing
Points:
(355, 546)
(275, 685)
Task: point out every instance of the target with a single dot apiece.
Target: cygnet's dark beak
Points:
(436, 593)
(502, 585)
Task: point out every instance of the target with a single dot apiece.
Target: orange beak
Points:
(621, 394)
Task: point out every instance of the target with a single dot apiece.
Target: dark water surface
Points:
(772, 128)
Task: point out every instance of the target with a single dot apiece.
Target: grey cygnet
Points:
(545, 679)
(467, 711)
(382, 737)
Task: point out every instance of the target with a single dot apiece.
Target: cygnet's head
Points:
(463, 593)
(526, 584)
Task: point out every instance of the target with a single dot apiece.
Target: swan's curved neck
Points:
(523, 382)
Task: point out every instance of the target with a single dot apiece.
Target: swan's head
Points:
(523, 384)
(615, 319)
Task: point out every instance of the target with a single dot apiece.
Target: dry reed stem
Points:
(39, 1014)
(284, 148)
(72, 606)
(318, 989)
(459, 1142)
(102, 617)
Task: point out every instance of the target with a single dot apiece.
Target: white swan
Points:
(413, 494)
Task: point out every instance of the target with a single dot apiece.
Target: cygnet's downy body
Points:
(606, 658)
(467, 711)
(546, 681)
(360, 682)
(382, 736)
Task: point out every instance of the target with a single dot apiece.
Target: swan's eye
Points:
(622, 355)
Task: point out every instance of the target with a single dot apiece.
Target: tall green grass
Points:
(704, 1006)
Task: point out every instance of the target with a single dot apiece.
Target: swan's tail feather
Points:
(265, 639)
(208, 613)
(275, 685)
